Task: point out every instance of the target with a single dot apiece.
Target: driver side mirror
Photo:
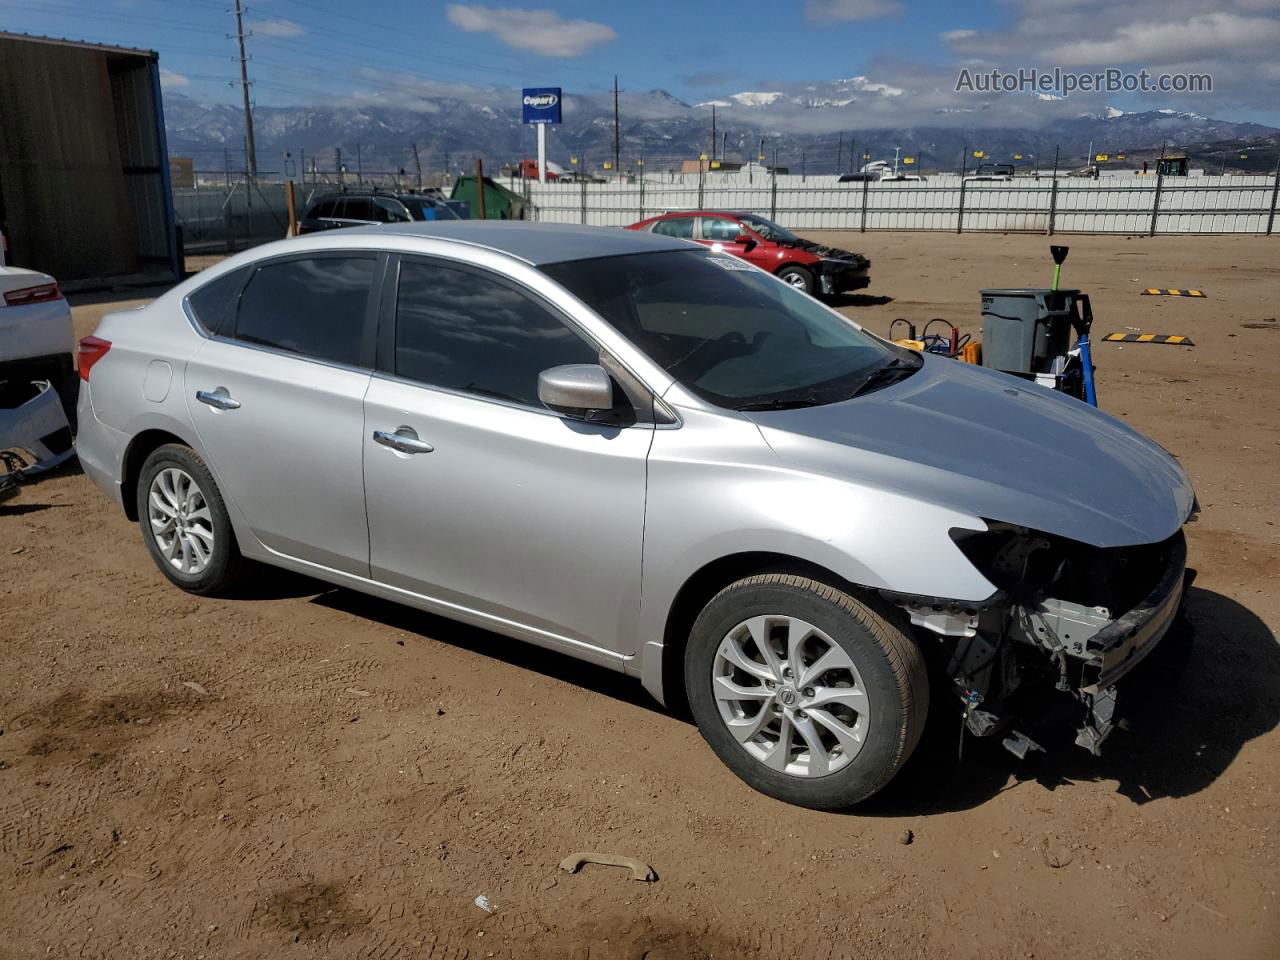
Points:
(748, 242)
(576, 390)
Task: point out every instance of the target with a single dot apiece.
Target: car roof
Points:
(674, 214)
(535, 243)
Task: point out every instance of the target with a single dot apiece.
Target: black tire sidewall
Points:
(809, 282)
(881, 754)
(226, 557)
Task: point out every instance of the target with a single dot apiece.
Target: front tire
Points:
(805, 692)
(799, 277)
(184, 522)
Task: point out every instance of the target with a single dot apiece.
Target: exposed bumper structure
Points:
(1005, 644)
(34, 433)
(839, 277)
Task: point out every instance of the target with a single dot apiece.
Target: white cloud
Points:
(1163, 41)
(541, 31)
(831, 11)
(277, 28)
(171, 80)
(1234, 41)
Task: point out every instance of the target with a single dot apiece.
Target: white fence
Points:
(1112, 204)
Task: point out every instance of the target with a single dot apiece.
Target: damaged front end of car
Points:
(1066, 616)
(34, 433)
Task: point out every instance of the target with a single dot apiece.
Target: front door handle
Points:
(404, 439)
(218, 398)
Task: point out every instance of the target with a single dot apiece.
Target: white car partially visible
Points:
(36, 337)
(38, 381)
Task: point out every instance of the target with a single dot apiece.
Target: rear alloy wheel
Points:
(180, 521)
(184, 521)
(799, 277)
(806, 693)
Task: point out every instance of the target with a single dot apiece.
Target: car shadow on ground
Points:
(857, 300)
(548, 663)
(1211, 686)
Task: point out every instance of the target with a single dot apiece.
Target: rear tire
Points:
(846, 687)
(799, 277)
(184, 522)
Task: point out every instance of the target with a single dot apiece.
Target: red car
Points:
(809, 266)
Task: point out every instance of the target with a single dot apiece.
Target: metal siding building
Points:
(84, 179)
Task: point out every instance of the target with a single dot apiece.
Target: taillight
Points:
(44, 292)
(92, 349)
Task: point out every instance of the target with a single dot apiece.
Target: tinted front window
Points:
(465, 331)
(419, 207)
(727, 331)
(322, 209)
(676, 227)
(312, 307)
(357, 208)
(720, 228)
(386, 210)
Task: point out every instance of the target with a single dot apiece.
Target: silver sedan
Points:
(633, 450)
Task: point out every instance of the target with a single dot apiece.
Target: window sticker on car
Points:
(729, 263)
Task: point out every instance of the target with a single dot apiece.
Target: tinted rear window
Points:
(213, 303)
(313, 307)
(675, 227)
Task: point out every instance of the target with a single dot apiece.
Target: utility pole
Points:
(480, 188)
(417, 162)
(359, 165)
(617, 171)
(342, 181)
(244, 86)
(724, 141)
(839, 151)
(713, 131)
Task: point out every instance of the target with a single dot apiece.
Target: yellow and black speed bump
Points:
(1173, 338)
(1155, 292)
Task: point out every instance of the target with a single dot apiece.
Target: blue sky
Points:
(317, 50)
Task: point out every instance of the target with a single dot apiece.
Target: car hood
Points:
(832, 253)
(996, 447)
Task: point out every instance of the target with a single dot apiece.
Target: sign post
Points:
(541, 106)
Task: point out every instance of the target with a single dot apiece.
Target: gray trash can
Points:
(1023, 331)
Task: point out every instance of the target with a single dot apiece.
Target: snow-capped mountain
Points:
(461, 124)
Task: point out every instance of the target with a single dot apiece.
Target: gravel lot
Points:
(305, 772)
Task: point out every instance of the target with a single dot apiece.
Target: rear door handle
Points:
(219, 399)
(404, 439)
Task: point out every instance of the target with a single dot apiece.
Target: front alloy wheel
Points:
(791, 696)
(808, 692)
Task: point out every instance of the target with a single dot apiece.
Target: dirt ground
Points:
(305, 772)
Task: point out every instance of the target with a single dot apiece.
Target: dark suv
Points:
(361, 209)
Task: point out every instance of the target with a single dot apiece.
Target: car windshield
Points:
(418, 206)
(768, 229)
(730, 333)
